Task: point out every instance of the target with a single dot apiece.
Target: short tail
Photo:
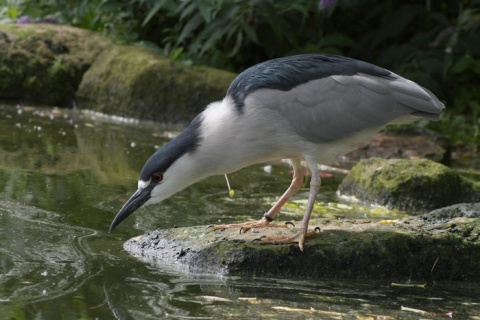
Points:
(423, 102)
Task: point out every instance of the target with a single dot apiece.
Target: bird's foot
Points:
(297, 238)
(244, 227)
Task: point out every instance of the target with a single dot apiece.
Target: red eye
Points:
(157, 177)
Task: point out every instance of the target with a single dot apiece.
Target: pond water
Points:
(65, 174)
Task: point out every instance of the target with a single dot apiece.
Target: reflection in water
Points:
(168, 293)
(41, 258)
(64, 175)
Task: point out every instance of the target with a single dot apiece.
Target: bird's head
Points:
(170, 169)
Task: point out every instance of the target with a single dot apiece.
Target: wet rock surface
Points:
(441, 245)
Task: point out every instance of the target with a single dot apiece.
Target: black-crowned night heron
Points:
(312, 107)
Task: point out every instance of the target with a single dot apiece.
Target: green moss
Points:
(138, 82)
(44, 64)
(413, 185)
(31, 81)
(57, 67)
(344, 249)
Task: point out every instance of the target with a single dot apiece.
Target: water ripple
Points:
(41, 258)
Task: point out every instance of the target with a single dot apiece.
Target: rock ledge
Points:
(441, 245)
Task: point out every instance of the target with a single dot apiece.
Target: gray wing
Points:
(334, 107)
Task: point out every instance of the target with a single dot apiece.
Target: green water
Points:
(63, 177)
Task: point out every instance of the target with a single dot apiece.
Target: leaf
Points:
(476, 67)
(12, 13)
(395, 55)
(212, 39)
(473, 23)
(302, 8)
(159, 5)
(238, 44)
(272, 17)
(465, 63)
(251, 33)
(441, 18)
(338, 40)
(396, 23)
(190, 27)
(205, 9)
(188, 10)
(331, 50)
(431, 64)
(465, 16)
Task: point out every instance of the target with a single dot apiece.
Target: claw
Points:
(312, 233)
(290, 223)
(259, 239)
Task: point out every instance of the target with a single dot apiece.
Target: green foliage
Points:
(114, 17)
(233, 34)
(9, 10)
(435, 43)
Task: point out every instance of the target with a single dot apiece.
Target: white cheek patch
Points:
(143, 184)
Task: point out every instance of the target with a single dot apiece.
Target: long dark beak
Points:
(136, 201)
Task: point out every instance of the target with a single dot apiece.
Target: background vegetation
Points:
(433, 42)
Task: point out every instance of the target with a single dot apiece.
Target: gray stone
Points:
(422, 248)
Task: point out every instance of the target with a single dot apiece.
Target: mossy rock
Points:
(44, 63)
(443, 245)
(412, 185)
(138, 82)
